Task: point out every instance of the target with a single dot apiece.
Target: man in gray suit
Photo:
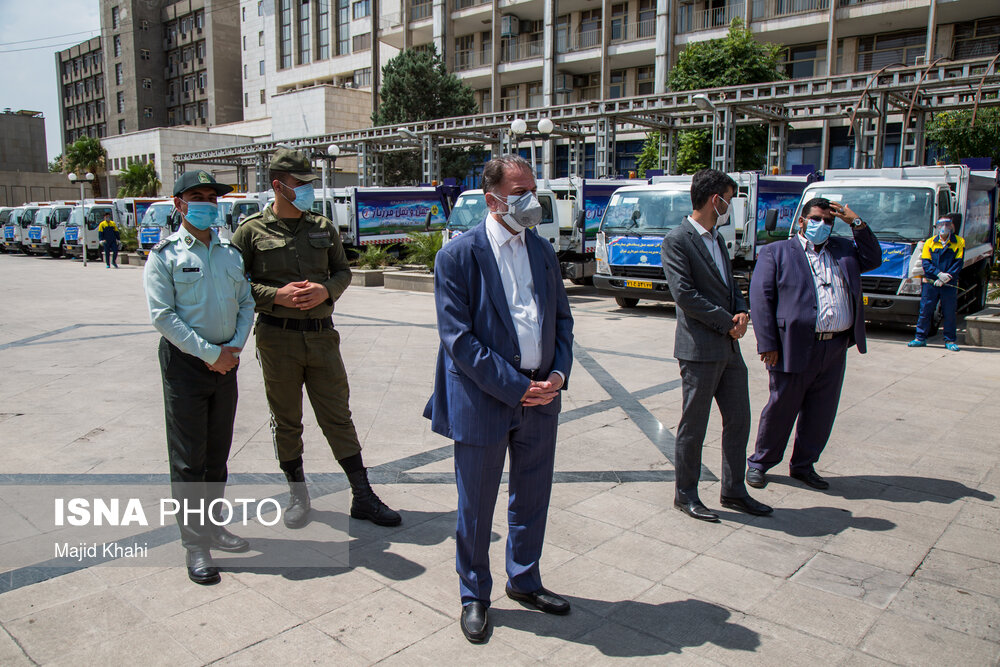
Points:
(712, 316)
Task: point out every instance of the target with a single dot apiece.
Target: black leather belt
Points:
(296, 325)
(829, 335)
(531, 375)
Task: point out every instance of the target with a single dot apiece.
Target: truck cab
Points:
(470, 209)
(158, 222)
(31, 228)
(54, 227)
(900, 206)
(82, 225)
(5, 214)
(233, 208)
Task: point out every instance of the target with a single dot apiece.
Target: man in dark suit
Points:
(807, 310)
(711, 318)
(506, 350)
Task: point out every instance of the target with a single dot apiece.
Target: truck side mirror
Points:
(771, 219)
(427, 221)
(229, 221)
(581, 220)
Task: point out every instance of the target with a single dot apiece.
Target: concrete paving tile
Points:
(641, 555)
(762, 553)
(49, 593)
(674, 527)
(956, 608)
(380, 624)
(437, 588)
(852, 579)
(975, 542)
(907, 641)
(879, 549)
(818, 613)
(310, 592)
(593, 586)
(725, 583)
(49, 633)
(146, 644)
(221, 627)
(965, 572)
(10, 652)
(775, 645)
(170, 592)
(448, 646)
(567, 495)
(616, 642)
(617, 510)
(300, 645)
(979, 515)
(577, 533)
(535, 633)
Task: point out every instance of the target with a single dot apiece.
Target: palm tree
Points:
(83, 155)
(138, 180)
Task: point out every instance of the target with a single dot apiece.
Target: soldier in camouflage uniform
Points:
(298, 269)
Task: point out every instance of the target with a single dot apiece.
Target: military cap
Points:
(199, 179)
(295, 163)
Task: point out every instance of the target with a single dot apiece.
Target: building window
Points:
(361, 42)
(803, 62)
(260, 8)
(121, 102)
(202, 81)
(199, 20)
(147, 83)
(619, 19)
(100, 108)
(244, 42)
(121, 126)
(144, 54)
(79, 89)
(644, 80)
(117, 46)
(535, 97)
(305, 45)
(203, 110)
(147, 112)
(244, 71)
(99, 84)
(260, 38)
(877, 51)
(977, 39)
(363, 77)
(343, 27)
(616, 88)
(464, 52)
(199, 51)
(260, 66)
(246, 100)
(361, 9)
(285, 33)
(115, 19)
(509, 98)
(589, 86)
(86, 86)
(189, 114)
(322, 31)
(144, 25)
(262, 96)
(647, 18)
(119, 76)
(590, 22)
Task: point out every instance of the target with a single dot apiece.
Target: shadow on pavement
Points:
(870, 487)
(811, 521)
(662, 628)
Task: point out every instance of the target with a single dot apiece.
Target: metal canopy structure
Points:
(865, 99)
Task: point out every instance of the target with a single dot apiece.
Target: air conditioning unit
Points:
(510, 26)
(563, 83)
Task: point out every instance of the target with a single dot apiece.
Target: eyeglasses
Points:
(825, 221)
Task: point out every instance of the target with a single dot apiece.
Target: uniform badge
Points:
(188, 240)
(203, 177)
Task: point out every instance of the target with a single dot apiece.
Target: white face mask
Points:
(723, 218)
(523, 211)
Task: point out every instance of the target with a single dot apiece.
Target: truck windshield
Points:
(469, 211)
(893, 213)
(156, 215)
(646, 210)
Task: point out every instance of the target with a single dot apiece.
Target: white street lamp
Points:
(545, 127)
(702, 102)
(518, 126)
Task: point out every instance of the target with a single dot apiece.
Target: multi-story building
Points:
(81, 77)
(519, 54)
(22, 141)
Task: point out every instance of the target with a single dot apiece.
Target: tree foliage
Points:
(139, 180)
(649, 156)
(953, 132)
(56, 165)
(734, 60)
(86, 154)
(416, 86)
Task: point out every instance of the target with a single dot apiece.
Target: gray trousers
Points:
(726, 383)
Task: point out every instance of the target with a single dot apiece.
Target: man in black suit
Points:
(712, 316)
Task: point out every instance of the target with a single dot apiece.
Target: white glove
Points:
(944, 277)
(938, 283)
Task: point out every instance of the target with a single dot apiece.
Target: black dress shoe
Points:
(201, 569)
(810, 478)
(747, 504)
(542, 600)
(756, 478)
(223, 540)
(694, 509)
(475, 622)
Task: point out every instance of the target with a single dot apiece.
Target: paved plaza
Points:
(897, 563)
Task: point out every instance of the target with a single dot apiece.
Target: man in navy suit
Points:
(506, 350)
(807, 310)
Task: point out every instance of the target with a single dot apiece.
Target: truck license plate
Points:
(864, 300)
(641, 284)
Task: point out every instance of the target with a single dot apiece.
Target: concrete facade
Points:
(20, 187)
(22, 141)
(82, 84)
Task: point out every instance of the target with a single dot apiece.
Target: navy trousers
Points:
(929, 297)
(478, 471)
(110, 254)
(812, 396)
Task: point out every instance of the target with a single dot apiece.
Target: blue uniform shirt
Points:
(948, 257)
(199, 297)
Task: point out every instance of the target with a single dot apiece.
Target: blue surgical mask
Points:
(201, 214)
(944, 231)
(817, 232)
(305, 195)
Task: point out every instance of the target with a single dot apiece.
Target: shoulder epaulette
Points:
(161, 245)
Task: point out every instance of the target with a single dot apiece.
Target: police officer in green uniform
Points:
(200, 301)
(298, 269)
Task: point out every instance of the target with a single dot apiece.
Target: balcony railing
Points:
(421, 10)
(465, 4)
(466, 60)
(579, 41)
(515, 51)
(692, 20)
(772, 9)
(633, 32)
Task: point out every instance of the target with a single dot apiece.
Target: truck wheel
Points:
(936, 320)
(626, 302)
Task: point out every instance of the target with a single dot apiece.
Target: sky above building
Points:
(30, 35)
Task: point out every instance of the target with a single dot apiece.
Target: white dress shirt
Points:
(834, 311)
(712, 245)
(519, 288)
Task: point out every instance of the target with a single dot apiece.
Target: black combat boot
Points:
(297, 512)
(366, 505)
